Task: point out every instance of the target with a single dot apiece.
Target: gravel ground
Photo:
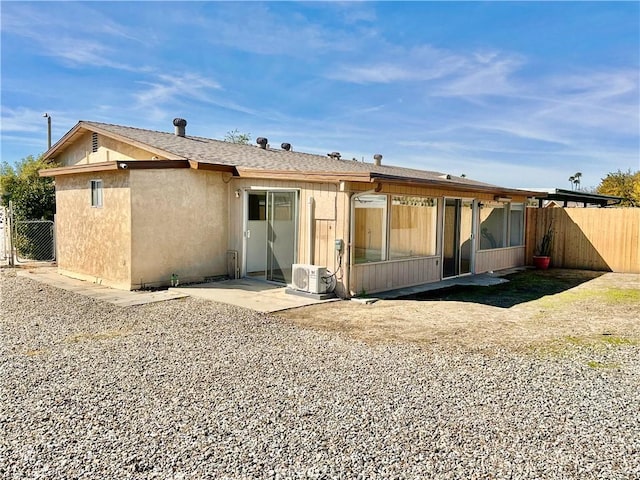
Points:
(193, 389)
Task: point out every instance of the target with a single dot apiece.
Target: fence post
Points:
(10, 230)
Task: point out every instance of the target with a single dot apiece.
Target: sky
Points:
(515, 94)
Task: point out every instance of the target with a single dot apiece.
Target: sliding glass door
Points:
(271, 234)
(457, 237)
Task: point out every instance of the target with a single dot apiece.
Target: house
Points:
(136, 206)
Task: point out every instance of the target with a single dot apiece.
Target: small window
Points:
(370, 228)
(257, 206)
(516, 225)
(493, 225)
(96, 193)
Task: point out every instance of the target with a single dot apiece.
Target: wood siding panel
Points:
(377, 277)
(499, 258)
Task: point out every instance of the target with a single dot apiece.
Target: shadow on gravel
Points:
(522, 287)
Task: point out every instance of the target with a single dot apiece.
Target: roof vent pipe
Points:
(285, 146)
(377, 159)
(180, 124)
(335, 155)
(262, 142)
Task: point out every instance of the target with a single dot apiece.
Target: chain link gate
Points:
(34, 241)
(29, 240)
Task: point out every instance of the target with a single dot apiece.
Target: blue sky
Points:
(516, 94)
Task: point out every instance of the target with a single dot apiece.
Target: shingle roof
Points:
(217, 152)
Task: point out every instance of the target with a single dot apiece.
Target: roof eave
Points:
(464, 187)
(113, 166)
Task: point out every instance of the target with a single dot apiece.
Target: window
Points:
(493, 225)
(96, 193)
(257, 206)
(516, 224)
(370, 228)
(394, 227)
(501, 225)
(413, 227)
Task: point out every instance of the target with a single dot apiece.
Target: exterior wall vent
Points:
(94, 142)
(180, 124)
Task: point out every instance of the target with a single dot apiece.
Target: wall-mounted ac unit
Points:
(309, 278)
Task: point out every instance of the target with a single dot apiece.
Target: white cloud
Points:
(73, 33)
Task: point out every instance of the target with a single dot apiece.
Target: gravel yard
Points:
(193, 389)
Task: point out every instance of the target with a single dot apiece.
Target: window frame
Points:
(522, 223)
(418, 201)
(507, 227)
(96, 192)
(385, 253)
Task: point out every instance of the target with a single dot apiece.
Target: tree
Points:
(576, 180)
(33, 197)
(235, 136)
(622, 184)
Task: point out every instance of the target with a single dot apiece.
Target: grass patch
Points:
(35, 353)
(620, 295)
(603, 365)
(522, 287)
(567, 345)
(90, 337)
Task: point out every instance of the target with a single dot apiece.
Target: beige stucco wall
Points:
(180, 225)
(80, 152)
(93, 242)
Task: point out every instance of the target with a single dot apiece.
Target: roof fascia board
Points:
(212, 167)
(333, 177)
(111, 166)
(464, 187)
(86, 168)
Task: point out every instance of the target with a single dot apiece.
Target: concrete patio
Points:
(257, 295)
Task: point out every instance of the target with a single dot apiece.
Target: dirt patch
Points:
(591, 309)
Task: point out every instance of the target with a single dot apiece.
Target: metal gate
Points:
(34, 241)
(27, 241)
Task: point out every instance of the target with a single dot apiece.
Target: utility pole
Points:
(48, 117)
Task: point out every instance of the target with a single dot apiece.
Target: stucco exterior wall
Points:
(81, 152)
(93, 242)
(180, 225)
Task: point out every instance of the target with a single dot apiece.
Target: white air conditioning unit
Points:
(309, 278)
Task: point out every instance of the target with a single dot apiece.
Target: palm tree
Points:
(572, 179)
(576, 179)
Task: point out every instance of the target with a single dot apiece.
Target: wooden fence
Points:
(605, 239)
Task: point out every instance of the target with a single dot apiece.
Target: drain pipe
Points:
(310, 230)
